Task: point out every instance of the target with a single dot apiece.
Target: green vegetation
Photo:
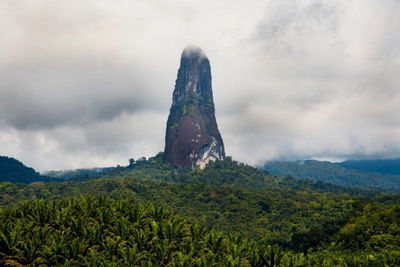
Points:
(384, 166)
(75, 174)
(227, 173)
(334, 173)
(229, 214)
(12, 170)
(98, 231)
(272, 214)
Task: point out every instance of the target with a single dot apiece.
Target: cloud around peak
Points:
(193, 51)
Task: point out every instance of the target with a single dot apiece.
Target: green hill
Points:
(14, 171)
(384, 166)
(225, 173)
(333, 173)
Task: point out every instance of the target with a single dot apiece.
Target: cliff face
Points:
(192, 137)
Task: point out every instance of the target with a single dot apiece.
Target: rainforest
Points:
(229, 214)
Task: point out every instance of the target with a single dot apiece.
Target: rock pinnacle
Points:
(192, 136)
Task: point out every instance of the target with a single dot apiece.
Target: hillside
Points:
(227, 172)
(384, 166)
(257, 218)
(333, 173)
(14, 171)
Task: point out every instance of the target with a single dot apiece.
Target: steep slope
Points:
(192, 136)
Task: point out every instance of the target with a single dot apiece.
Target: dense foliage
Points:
(389, 166)
(12, 170)
(258, 219)
(226, 172)
(98, 231)
(228, 196)
(76, 174)
(334, 173)
(274, 214)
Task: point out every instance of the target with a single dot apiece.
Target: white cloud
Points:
(86, 83)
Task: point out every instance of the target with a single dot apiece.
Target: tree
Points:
(131, 162)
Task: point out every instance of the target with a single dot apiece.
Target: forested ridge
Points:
(12, 170)
(384, 166)
(256, 218)
(350, 173)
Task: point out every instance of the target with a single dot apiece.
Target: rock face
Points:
(192, 137)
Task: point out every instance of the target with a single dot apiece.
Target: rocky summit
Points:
(192, 137)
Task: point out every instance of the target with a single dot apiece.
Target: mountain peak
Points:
(192, 136)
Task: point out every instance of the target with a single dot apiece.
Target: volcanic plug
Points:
(192, 137)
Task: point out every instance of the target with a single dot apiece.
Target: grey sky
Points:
(89, 83)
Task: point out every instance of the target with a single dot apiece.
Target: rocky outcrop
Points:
(192, 137)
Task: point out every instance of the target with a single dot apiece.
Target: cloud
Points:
(325, 83)
(86, 84)
(46, 98)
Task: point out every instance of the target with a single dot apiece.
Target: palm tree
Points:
(271, 256)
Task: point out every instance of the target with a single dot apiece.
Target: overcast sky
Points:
(88, 83)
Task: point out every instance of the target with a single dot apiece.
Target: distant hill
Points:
(14, 171)
(333, 173)
(386, 166)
